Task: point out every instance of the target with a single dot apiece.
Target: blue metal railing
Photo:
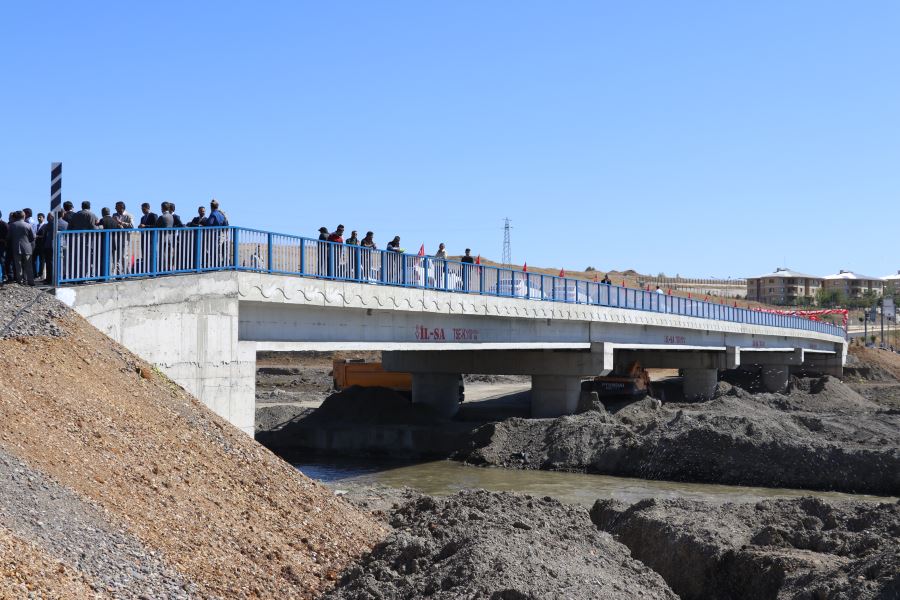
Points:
(103, 255)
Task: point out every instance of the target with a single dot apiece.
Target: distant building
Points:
(892, 283)
(784, 287)
(854, 285)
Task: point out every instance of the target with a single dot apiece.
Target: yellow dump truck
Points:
(347, 373)
(358, 372)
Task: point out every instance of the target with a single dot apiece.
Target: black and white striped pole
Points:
(56, 209)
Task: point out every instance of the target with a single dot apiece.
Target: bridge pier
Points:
(438, 391)
(554, 395)
(699, 384)
(775, 378)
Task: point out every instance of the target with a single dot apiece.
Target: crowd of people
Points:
(337, 236)
(27, 250)
(27, 246)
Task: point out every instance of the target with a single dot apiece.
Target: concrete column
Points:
(438, 391)
(699, 384)
(554, 395)
(775, 377)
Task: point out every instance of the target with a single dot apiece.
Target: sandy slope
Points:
(226, 513)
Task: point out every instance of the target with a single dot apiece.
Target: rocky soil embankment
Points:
(821, 435)
(497, 546)
(116, 483)
(800, 549)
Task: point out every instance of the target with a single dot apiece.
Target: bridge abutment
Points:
(699, 384)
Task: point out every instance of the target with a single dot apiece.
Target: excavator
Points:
(633, 384)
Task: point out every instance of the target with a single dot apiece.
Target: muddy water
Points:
(444, 477)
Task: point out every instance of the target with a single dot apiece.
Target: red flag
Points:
(422, 250)
(623, 283)
(525, 267)
(689, 295)
(562, 272)
(669, 292)
(478, 260)
(735, 304)
(595, 278)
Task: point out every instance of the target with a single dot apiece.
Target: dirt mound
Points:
(27, 311)
(27, 571)
(881, 364)
(800, 548)
(822, 435)
(497, 546)
(220, 510)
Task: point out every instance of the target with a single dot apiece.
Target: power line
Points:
(507, 245)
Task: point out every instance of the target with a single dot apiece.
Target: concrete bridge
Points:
(230, 293)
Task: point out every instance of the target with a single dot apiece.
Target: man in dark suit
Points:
(176, 220)
(5, 264)
(149, 218)
(21, 240)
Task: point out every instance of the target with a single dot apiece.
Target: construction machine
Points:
(358, 372)
(634, 383)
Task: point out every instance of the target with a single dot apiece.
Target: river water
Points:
(444, 477)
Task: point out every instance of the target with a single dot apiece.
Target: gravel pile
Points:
(75, 532)
(27, 312)
(803, 548)
(200, 495)
(497, 546)
(822, 435)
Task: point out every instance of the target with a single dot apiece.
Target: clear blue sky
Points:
(704, 138)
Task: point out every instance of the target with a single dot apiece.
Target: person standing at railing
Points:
(84, 219)
(440, 265)
(216, 218)
(468, 265)
(165, 219)
(21, 240)
(367, 248)
(166, 242)
(176, 220)
(122, 241)
(68, 211)
(49, 247)
(148, 221)
(200, 219)
(336, 253)
(37, 259)
(395, 260)
(353, 240)
(322, 253)
(5, 273)
(108, 223)
(123, 217)
(337, 236)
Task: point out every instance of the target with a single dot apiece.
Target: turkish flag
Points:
(562, 272)
(422, 250)
(525, 267)
(478, 260)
